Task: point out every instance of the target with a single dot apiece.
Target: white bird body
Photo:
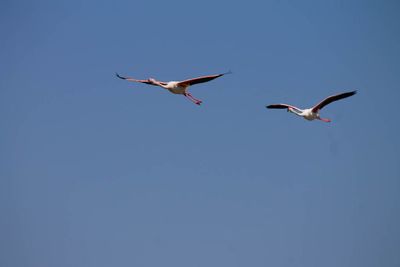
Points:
(312, 113)
(175, 88)
(307, 114)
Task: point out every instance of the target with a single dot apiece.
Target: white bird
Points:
(178, 87)
(312, 113)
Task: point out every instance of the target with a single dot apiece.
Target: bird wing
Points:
(280, 106)
(202, 79)
(136, 80)
(331, 99)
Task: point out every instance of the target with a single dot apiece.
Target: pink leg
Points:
(325, 120)
(194, 100)
(192, 97)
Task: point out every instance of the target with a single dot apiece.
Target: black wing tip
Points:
(119, 76)
(351, 93)
(276, 106)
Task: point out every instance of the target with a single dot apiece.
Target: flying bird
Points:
(178, 87)
(313, 113)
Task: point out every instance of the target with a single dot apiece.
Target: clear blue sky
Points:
(96, 171)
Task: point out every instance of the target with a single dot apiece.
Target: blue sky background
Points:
(96, 171)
